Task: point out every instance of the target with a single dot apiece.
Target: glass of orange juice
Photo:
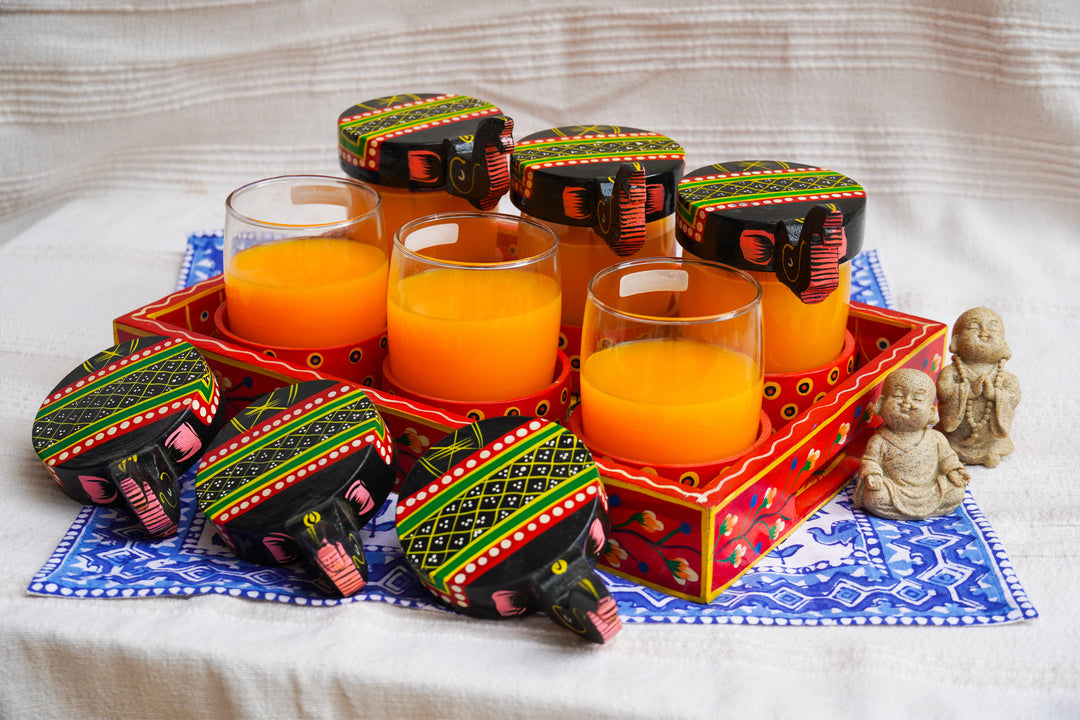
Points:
(306, 261)
(795, 228)
(608, 192)
(671, 367)
(473, 306)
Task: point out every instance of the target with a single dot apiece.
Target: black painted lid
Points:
(611, 178)
(795, 220)
(429, 141)
(147, 391)
(506, 516)
(296, 475)
(295, 447)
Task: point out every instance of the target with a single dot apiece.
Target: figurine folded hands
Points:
(978, 396)
(909, 471)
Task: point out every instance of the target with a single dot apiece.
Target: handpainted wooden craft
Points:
(507, 516)
(609, 193)
(794, 228)
(296, 475)
(125, 424)
(359, 362)
(700, 539)
(454, 146)
(691, 540)
(550, 403)
(612, 179)
(765, 214)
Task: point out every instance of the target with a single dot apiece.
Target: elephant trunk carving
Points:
(811, 267)
(477, 165)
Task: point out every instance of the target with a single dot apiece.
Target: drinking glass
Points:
(305, 262)
(671, 361)
(473, 306)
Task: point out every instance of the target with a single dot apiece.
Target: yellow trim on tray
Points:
(711, 595)
(707, 542)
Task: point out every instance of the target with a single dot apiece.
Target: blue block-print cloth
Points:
(841, 567)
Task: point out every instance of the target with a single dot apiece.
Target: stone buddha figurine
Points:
(909, 471)
(977, 396)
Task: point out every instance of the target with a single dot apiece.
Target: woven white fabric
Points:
(123, 125)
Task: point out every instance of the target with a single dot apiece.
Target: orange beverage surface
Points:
(474, 334)
(670, 402)
(797, 336)
(307, 292)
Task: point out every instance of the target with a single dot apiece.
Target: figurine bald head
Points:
(979, 337)
(907, 401)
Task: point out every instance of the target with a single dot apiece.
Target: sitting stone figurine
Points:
(978, 396)
(909, 471)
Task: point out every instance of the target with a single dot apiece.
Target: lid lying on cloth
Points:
(795, 220)
(610, 178)
(454, 143)
(296, 475)
(127, 423)
(507, 516)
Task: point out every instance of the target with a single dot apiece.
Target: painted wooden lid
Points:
(127, 422)
(296, 475)
(507, 516)
(772, 216)
(611, 178)
(429, 141)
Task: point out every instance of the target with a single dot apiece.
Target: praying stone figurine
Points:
(909, 471)
(977, 396)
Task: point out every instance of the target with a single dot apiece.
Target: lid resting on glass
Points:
(611, 178)
(429, 141)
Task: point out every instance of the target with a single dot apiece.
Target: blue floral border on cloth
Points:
(841, 567)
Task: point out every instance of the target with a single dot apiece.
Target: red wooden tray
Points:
(688, 541)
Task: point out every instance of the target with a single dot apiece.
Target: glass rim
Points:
(440, 218)
(678, 321)
(311, 179)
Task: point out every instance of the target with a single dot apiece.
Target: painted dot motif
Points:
(491, 496)
(144, 386)
(280, 448)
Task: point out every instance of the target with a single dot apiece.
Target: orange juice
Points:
(670, 402)
(307, 292)
(474, 334)
(798, 336)
(582, 254)
(400, 205)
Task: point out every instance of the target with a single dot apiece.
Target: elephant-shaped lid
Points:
(506, 516)
(793, 220)
(296, 475)
(429, 141)
(611, 178)
(127, 422)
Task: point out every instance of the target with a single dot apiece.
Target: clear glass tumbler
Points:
(473, 306)
(305, 262)
(671, 361)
